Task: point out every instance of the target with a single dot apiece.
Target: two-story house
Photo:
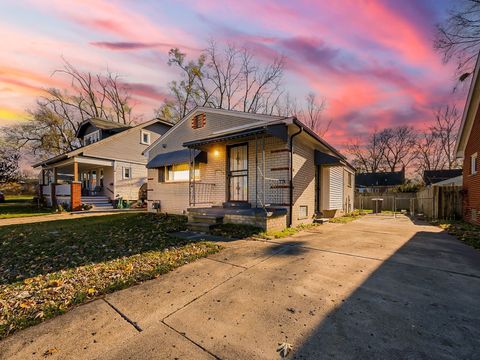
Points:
(109, 164)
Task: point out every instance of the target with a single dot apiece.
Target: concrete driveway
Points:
(377, 288)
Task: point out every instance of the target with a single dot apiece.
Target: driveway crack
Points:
(124, 317)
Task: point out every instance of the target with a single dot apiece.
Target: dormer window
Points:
(198, 121)
(145, 137)
(91, 138)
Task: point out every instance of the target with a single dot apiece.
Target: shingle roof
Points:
(380, 179)
(435, 176)
(101, 124)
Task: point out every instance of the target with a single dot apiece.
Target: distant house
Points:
(108, 165)
(468, 149)
(236, 167)
(436, 176)
(379, 182)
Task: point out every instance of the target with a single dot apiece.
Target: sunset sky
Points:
(373, 60)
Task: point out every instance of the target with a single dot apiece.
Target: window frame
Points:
(124, 177)
(300, 217)
(167, 173)
(149, 134)
(474, 164)
(93, 135)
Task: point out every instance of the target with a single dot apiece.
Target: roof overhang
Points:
(177, 157)
(325, 159)
(469, 113)
(277, 130)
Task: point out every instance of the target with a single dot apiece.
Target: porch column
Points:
(55, 175)
(76, 196)
(75, 171)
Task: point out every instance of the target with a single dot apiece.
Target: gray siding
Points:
(183, 131)
(125, 146)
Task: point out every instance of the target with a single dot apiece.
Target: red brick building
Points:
(468, 148)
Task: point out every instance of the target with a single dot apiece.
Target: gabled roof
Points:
(469, 112)
(260, 118)
(81, 149)
(101, 124)
(435, 176)
(380, 179)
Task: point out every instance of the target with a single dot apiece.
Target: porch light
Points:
(216, 153)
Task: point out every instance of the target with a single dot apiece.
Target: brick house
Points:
(468, 149)
(234, 167)
(108, 165)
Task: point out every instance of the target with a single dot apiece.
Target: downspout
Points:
(290, 216)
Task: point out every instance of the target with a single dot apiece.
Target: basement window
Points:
(303, 212)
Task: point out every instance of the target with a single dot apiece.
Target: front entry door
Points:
(238, 172)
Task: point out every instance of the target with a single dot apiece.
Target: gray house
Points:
(108, 165)
(230, 166)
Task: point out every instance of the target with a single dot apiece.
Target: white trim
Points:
(95, 135)
(474, 164)
(142, 134)
(129, 168)
(460, 153)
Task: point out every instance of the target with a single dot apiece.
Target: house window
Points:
(198, 121)
(127, 173)
(350, 179)
(91, 138)
(145, 138)
(473, 164)
(303, 212)
(181, 172)
(161, 174)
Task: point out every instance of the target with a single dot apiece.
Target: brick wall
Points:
(471, 183)
(76, 196)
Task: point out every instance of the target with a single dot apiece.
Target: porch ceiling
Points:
(84, 163)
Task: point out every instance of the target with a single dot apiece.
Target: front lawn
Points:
(21, 206)
(47, 268)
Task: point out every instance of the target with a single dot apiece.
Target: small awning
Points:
(322, 158)
(177, 157)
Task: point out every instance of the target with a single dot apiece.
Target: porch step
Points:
(236, 205)
(95, 200)
(200, 226)
(204, 218)
(321, 220)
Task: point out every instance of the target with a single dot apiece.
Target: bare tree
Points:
(399, 144)
(311, 115)
(458, 38)
(226, 78)
(55, 119)
(9, 163)
(429, 152)
(445, 128)
(369, 155)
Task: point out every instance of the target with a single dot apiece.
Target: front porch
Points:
(70, 181)
(205, 218)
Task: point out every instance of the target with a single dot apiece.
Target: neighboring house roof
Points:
(469, 112)
(456, 181)
(99, 143)
(435, 176)
(100, 124)
(380, 179)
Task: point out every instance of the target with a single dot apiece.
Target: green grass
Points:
(354, 215)
(47, 268)
(466, 232)
(21, 206)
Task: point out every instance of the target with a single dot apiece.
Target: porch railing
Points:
(201, 193)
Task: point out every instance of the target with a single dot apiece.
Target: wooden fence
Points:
(391, 201)
(440, 202)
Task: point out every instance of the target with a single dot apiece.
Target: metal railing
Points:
(201, 193)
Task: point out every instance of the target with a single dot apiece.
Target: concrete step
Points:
(200, 226)
(321, 220)
(236, 205)
(102, 205)
(204, 218)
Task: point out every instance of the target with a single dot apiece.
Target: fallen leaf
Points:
(284, 349)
